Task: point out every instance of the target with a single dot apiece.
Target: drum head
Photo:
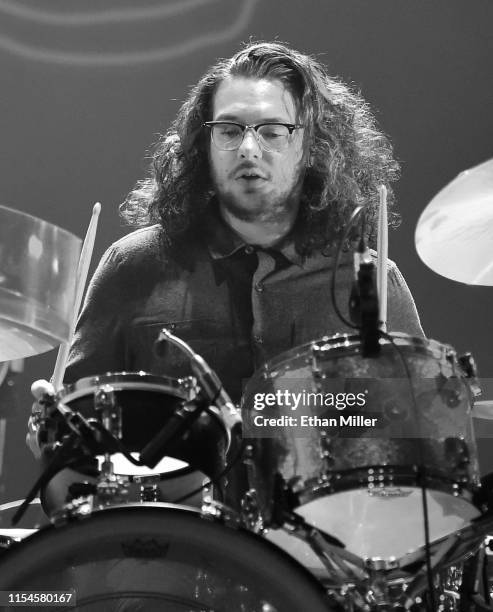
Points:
(158, 558)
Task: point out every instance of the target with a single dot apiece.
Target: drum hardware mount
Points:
(457, 453)
(63, 456)
(87, 438)
(149, 491)
(110, 488)
(216, 510)
(250, 512)
(110, 411)
(78, 508)
(189, 384)
(469, 367)
(326, 449)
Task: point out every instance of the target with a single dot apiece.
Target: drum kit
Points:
(134, 464)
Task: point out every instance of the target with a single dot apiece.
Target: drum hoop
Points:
(394, 476)
(181, 388)
(160, 476)
(345, 344)
(120, 381)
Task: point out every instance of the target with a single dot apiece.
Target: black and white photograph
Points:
(246, 290)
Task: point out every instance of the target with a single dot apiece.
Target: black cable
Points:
(59, 461)
(421, 474)
(485, 576)
(337, 258)
(116, 444)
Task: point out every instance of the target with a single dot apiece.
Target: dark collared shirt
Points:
(237, 305)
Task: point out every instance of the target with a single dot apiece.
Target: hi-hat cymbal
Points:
(454, 235)
(38, 268)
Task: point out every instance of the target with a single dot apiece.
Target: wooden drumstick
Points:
(82, 271)
(382, 255)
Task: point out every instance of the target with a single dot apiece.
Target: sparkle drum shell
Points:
(360, 484)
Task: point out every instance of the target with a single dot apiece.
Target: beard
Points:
(258, 207)
(262, 210)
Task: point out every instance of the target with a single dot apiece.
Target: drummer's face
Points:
(251, 183)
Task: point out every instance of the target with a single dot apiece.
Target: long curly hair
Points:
(349, 157)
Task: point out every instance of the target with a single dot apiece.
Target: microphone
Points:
(209, 381)
(166, 439)
(370, 325)
(354, 296)
(363, 300)
(214, 390)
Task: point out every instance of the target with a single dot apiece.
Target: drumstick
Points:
(80, 283)
(382, 255)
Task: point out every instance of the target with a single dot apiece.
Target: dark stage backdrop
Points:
(85, 91)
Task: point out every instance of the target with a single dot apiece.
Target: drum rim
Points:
(393, 476)
(184, 388)
(178, 510)
(131, 381)
(345, 344)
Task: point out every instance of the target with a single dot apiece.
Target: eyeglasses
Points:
(228, 136)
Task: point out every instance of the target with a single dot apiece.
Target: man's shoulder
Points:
(145, 248)
(141, 241)
(391, 265)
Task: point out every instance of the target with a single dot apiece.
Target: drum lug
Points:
(250, 513)
(216, 510)
(149, 490)
(111, 488)
(326, 453)
(78, 508)
(189, 384)
(110, 412)
(468, 365)
(318, 353)
(456, 453)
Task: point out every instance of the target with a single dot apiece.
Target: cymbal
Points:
(454, 235)
(38, 266)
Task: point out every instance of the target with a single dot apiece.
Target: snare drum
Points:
(145, 403)
(155, 558)
(355, 479)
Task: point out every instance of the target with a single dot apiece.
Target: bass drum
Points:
(160, 558)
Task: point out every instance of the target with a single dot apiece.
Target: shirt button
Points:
(259, 287)
(249, 249)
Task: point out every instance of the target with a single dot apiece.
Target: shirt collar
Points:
(223, 242)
